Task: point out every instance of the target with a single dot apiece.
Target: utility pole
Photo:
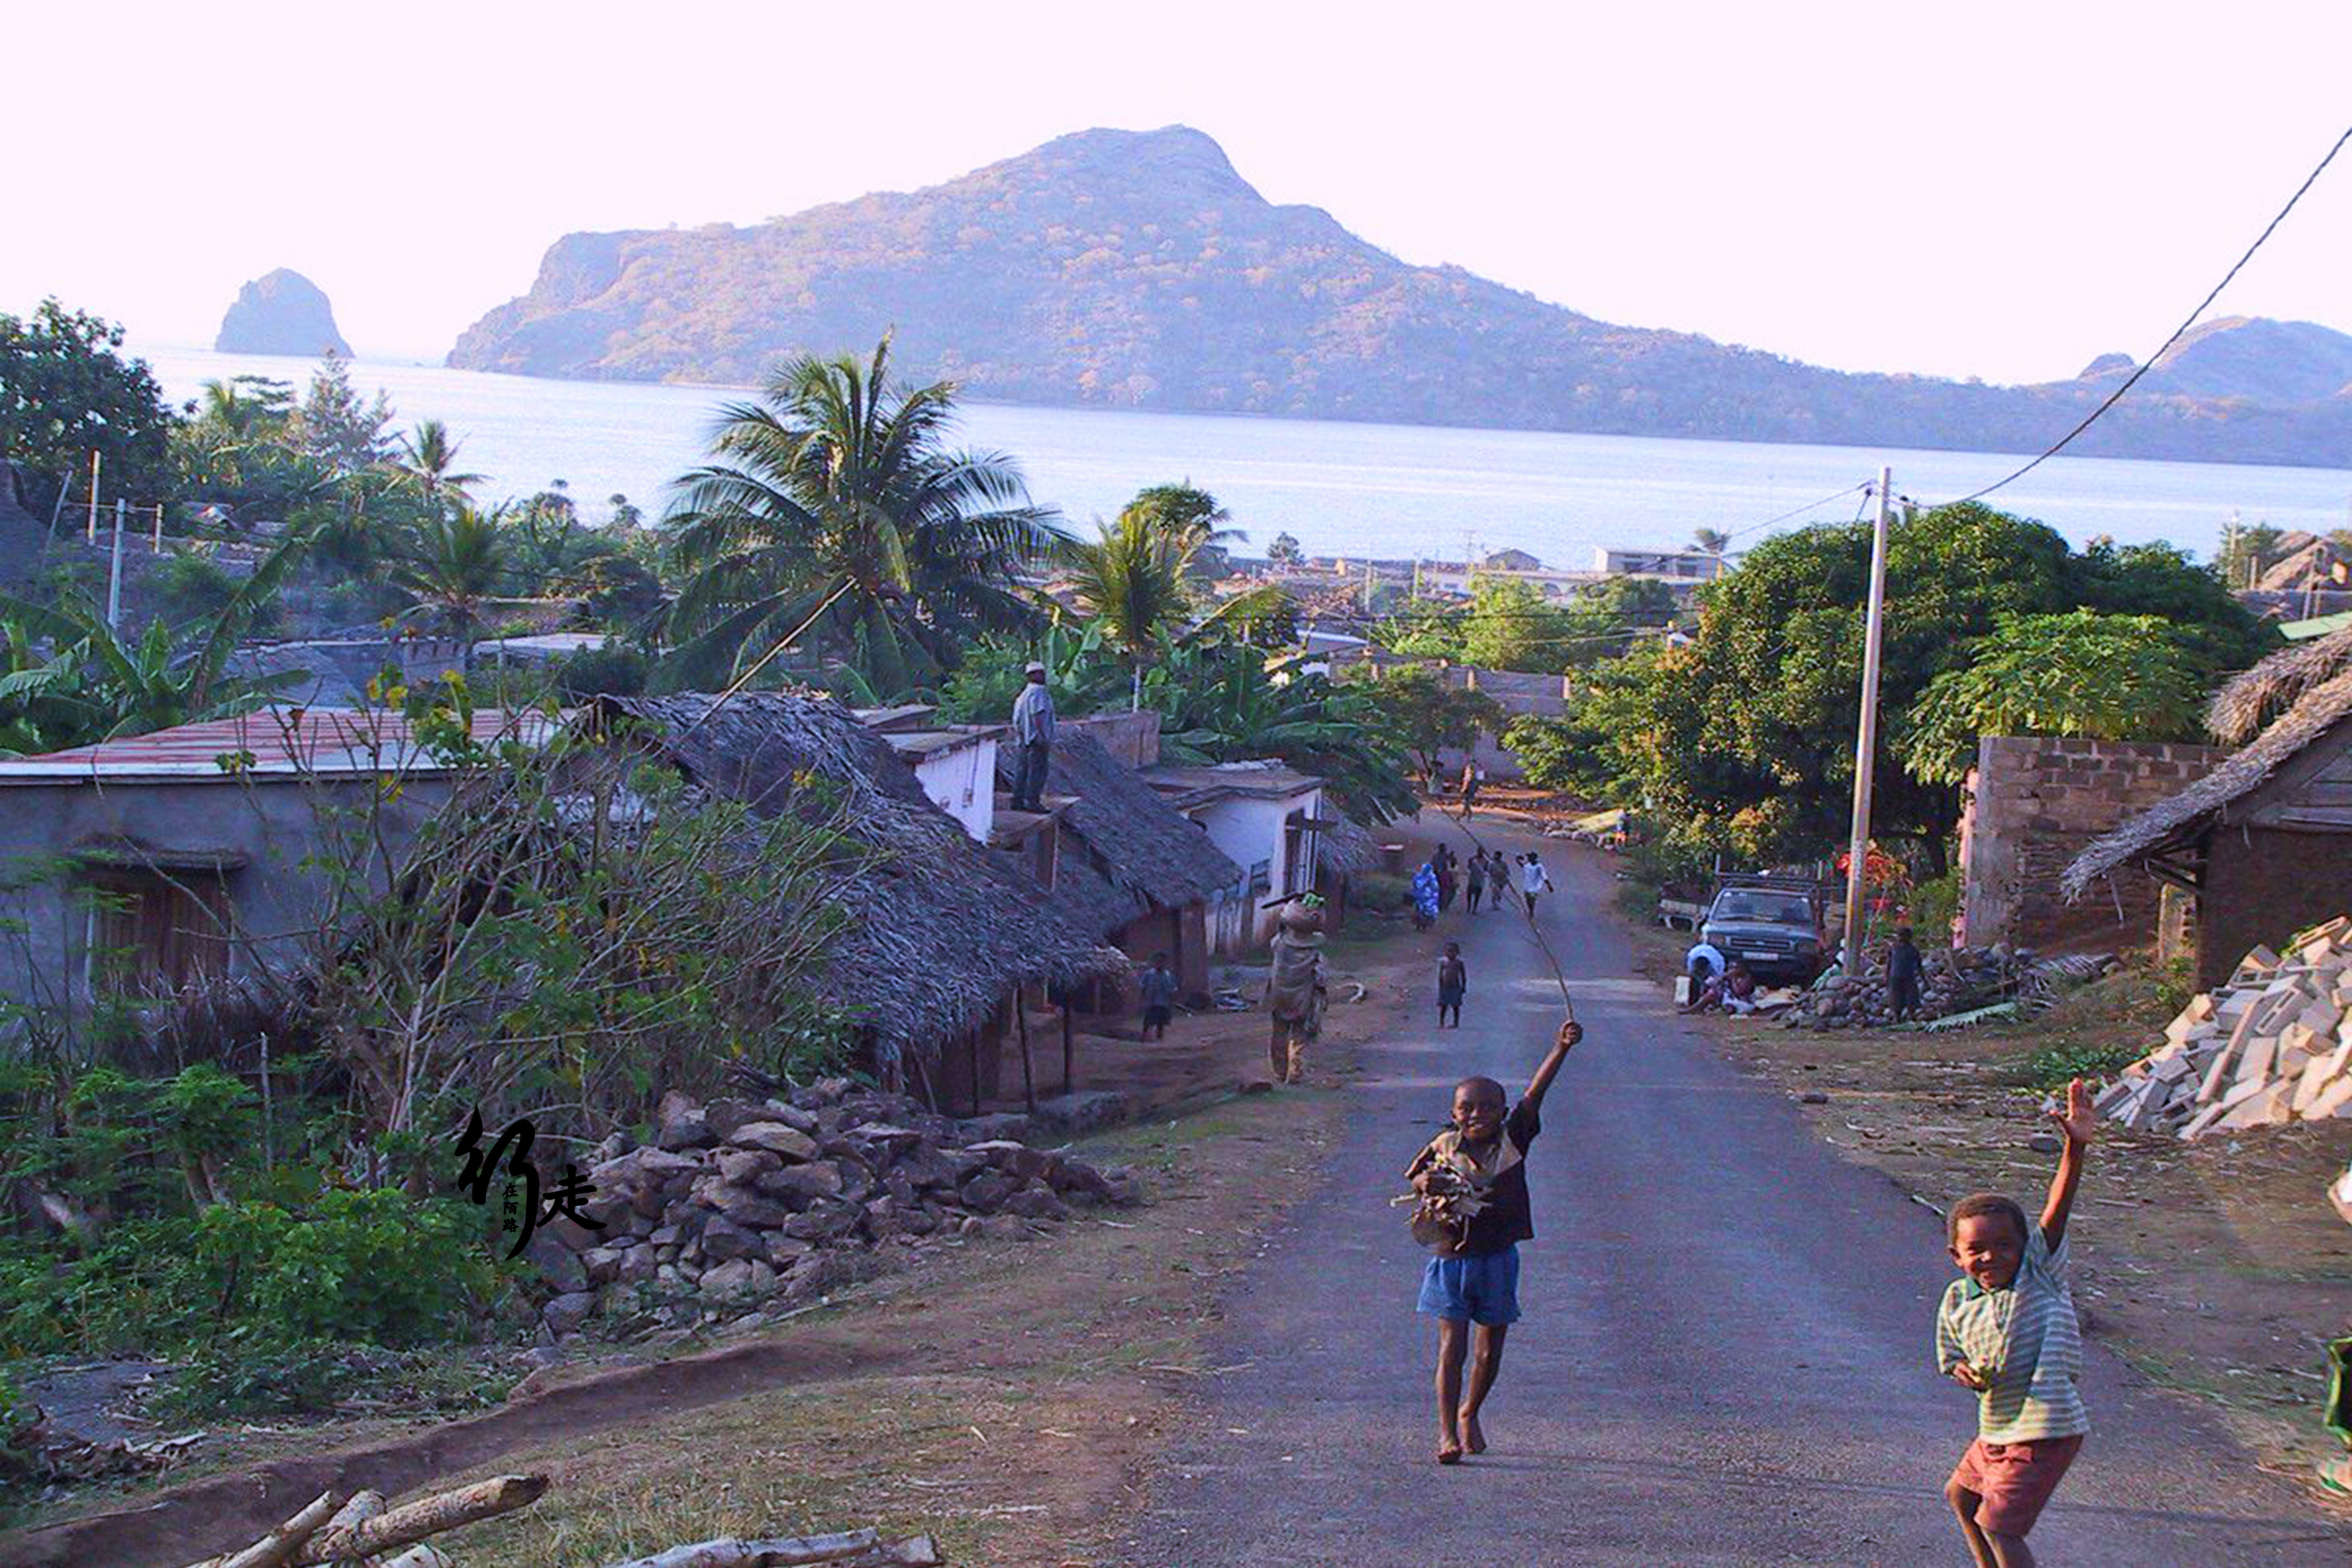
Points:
(114, 577)
(1865, 744)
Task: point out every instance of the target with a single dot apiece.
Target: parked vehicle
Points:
(1772, 924)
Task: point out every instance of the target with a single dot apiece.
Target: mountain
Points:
(2250, 357)
(1139, 269)
(281, 312)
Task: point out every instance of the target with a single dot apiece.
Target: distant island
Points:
(1138, 269)
(281, 312)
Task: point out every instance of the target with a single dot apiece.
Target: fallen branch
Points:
(413, 1521)
(277, 1548)
(850, 1549)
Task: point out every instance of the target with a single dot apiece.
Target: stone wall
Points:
(2033, 805)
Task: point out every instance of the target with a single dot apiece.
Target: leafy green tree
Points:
(1222, 701)
(2216, 631)
(336, 426)
(834, 499)
(1424, 714)
(1711, 540)
(1511, 625)
(627, 514)
(2105, 678)
(65, 393)
(1284, 551)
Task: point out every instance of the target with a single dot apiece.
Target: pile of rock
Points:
(742, 1206)
(2271, 1047)
(1958, 980)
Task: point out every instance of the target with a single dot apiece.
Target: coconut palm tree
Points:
(1135, 580)
(425, 459)
(1711, 540)
(834, 501)
(460, 567)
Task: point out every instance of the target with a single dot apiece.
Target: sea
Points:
(1357, 491)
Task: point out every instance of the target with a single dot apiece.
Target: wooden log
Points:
(413, 1521)
(424, 1556)
(1028, 1068)
(864, 1548)
(365, 1505)
(277, 1548)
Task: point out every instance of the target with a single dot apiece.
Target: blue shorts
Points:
(1483, 1289)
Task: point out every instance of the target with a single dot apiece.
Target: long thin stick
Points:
(1528, 908)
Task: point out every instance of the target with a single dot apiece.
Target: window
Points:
(156, 933)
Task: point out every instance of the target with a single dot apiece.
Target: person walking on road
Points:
(1473, 886)
(1470, 1210)
(1534, 880)
(1443, 862)
(1158, 988)
(1473, 778)
(1452, 983)
(1033, 732)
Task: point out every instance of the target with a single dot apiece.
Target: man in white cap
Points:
(1033, 735)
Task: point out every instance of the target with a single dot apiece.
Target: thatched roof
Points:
(2240, 709)
(1149, 854)
(1346, 845)
(2320, 710)
(939, 931)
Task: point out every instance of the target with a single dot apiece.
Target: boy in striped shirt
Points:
(2007, 1329)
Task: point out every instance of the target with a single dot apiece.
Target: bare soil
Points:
(2217, 1266)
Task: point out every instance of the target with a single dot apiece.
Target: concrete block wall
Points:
(2033, 805)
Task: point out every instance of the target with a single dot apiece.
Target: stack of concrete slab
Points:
(2272, 1046)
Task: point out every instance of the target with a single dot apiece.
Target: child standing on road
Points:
(1453, 981)
(1473, 1212)
(2007, 1329)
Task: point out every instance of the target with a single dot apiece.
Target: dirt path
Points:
(1725, 1354)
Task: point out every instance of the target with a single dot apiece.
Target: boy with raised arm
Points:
(2007, 1330)
(1472, 1214)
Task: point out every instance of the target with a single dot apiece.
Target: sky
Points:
(1996, 190)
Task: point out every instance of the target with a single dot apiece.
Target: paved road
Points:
(1725, 1351)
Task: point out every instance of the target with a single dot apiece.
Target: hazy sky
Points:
(1992, 189)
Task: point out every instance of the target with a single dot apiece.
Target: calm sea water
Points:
(1387, 490)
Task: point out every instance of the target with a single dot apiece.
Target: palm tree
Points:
(426, 458)
(462, 566)
(1135, 580)
(832, 501)
(1711, 540)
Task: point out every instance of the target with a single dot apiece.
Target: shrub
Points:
(2056, 1066)
(193, 586)
(1380, 891)
(615, 669)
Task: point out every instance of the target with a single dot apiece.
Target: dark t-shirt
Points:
(1901, 961)
(1505, 1219)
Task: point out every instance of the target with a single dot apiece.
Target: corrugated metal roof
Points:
(283, 742)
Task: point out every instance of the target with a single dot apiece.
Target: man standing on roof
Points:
(1032, 734)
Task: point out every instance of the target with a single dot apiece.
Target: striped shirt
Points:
(2026, 1338)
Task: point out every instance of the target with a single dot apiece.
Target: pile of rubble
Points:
(742, 1206)
(2271, 1047)
(1958, 980)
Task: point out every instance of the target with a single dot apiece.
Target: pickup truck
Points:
(1772, 924)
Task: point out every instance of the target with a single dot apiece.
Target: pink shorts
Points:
(2014, 1480)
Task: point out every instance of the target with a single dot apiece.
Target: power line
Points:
(2178, 333)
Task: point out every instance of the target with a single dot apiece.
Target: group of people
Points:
(1483, 879)
(1716, 984)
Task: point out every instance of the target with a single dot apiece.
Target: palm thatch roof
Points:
(2171, 821)
(940, 932)
(2273, 688)
(1346, 845)
(1145, 853)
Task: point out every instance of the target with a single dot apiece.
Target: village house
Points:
(1267, 817)
(2262, 843)
(151, 864)
(1126, 863)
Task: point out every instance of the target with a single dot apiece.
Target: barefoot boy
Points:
(1472, 1182)
(2007, 1330)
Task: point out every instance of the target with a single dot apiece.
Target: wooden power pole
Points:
(1866, 743)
